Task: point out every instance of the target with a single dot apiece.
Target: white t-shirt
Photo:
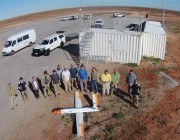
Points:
(66, 75)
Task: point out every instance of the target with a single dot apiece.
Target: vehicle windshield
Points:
(8, 44)
(44, 42)
(98, 21)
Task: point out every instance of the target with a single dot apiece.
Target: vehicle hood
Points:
(40, 46)
(6, 49)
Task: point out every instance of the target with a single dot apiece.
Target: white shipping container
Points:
(127, 46)
(116, 46)
(154, 40)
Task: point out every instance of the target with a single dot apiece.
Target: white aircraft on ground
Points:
(79, 111)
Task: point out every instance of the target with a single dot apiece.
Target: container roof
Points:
(154, 27)
(114, 31)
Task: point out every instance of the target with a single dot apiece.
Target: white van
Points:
(19, 41)
(49, 43)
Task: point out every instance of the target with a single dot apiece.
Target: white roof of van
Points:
(9, 38)
(154, 27)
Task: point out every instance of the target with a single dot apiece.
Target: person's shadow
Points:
(31, 88)
(41, 87)
(122, 95)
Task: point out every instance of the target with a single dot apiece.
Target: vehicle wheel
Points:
(62, 45)
(12, 52)
(30, 44)
(47, 52)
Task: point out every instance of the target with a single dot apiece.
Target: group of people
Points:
(74, 78)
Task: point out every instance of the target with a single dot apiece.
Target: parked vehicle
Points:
(116, 15)
(19, 41)
(49, 43)
(87, 16)
(74, 17)
(64, 18)
(99, 23)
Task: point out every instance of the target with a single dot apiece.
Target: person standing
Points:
(56, 82)
(106, 80)
(83, 77)
(22, 89)
(45, 80)
(135, 92)
(59, 72)
(66, 77)
(94, 80)
(12, 93)
(35, 86)
(73, 71)
(130, 78)
(115, 81)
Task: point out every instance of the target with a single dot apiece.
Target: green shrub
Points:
(118, 115)
(131, 64)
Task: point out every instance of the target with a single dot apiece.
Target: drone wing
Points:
(79, 115)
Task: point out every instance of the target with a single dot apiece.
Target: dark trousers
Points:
(94, 85)
(36, 93)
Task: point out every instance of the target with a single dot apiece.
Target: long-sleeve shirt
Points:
(115, 78)
(55, 78)
(22, 86)
(130, 78)
(82, 74)
(73, 72)
(135, 89)
(10, 90)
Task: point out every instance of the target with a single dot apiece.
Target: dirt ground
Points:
(158, 114)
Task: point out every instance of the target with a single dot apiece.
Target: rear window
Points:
(19, 40)
(98, 21)
(51, 41)
(55, 39)
(61, 36)
(44, 42)
(25, 37)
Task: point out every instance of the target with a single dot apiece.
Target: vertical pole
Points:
(163, 11)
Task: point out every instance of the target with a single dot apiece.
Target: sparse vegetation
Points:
(95, 137)
(118, 115)
(155, 61)
(105, 109)
(110, 128)
(97, 123)
(162, 68)
(132, 65)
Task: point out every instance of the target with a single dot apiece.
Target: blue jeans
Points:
(94, 85)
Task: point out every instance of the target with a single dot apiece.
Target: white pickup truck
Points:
(99, 23)
(49, 43)
(118, 15)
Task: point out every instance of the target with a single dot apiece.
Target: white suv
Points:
(99, 23)
(48, 44)
(116, 15)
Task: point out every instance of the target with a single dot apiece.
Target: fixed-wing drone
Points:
(78, 110)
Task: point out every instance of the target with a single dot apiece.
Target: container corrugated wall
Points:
(154, 45)
(103, 45)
